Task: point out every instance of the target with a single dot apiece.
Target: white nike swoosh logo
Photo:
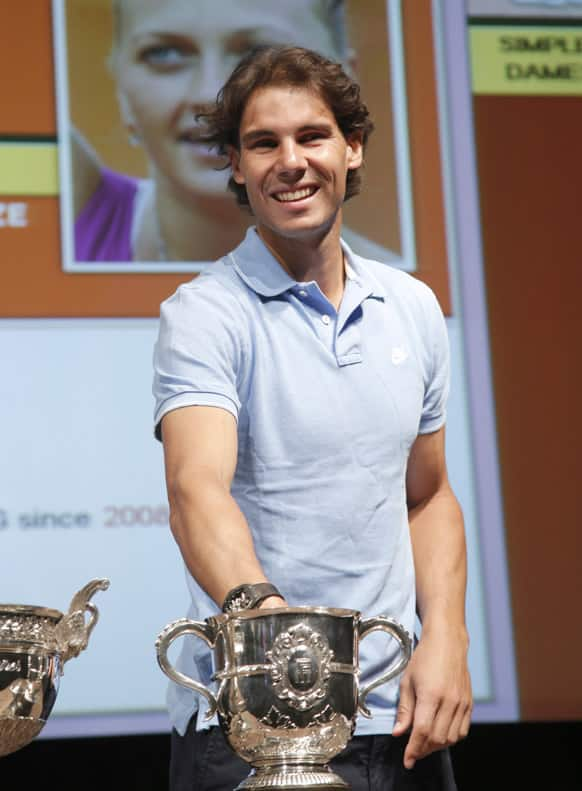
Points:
(399, 355)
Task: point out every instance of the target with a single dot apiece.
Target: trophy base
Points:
(17, 732)
(292, 778)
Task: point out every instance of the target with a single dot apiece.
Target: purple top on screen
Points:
(103, 228)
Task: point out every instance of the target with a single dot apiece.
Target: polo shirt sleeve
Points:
(197, 354)
(437, 366)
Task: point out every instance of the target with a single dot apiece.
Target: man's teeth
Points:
(297, 195)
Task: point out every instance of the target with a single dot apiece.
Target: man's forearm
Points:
(213, 535)
(435, 690)
(438, 543)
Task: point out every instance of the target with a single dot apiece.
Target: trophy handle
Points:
(398, 632)
(72, 633)
(165, 639)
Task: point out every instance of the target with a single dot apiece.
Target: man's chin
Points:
(307, 236)
(300, 229)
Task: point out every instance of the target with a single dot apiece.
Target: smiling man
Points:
(301, 396)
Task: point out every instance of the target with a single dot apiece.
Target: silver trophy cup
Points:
(288, 693)
(35, 643)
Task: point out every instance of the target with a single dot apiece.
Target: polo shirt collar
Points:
(357, 270)
(260, 270)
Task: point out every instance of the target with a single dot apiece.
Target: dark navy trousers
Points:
(203, 761)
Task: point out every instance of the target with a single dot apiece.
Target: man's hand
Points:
(435, 691)
(435, 695)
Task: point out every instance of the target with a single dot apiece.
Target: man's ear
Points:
(355, 151)
(234, 159)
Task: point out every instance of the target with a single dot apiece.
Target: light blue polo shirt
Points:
(327, 405)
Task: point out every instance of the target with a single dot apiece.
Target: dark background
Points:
(516, 756)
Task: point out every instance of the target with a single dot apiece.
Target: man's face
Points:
(293, 161)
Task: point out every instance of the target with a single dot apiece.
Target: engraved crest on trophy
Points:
(301, 668)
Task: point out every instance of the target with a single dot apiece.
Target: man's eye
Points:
(311, 137)
(264, 144)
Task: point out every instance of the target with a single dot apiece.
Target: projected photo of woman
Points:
(167, 59)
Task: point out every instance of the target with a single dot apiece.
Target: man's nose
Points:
(291, 163)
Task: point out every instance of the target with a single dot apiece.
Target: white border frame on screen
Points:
(407, 261)
(468, 293)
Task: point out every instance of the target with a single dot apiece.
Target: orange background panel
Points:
(33, 284)
(26, 66)
(532, 237)
(427, 176)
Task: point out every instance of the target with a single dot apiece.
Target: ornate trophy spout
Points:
(35, 643)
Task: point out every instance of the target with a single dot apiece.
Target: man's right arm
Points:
(200, 451)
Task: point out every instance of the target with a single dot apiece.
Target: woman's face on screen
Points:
(173, 56)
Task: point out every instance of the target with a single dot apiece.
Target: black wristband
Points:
(246, 597)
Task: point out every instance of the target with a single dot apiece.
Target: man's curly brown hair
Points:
(286, 66)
